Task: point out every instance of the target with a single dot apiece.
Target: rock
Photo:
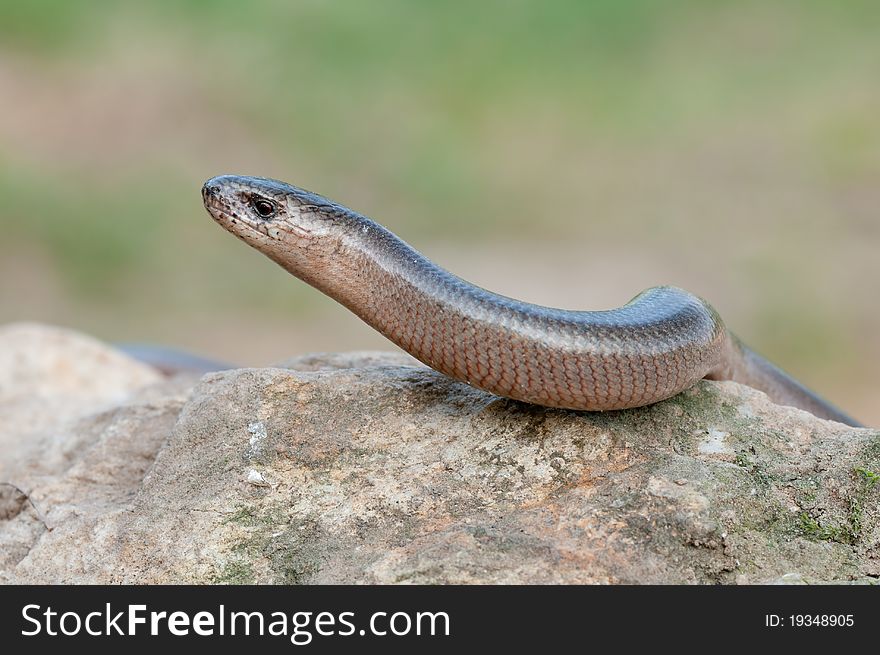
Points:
(52, 362)
(51, 378)
(370, 468)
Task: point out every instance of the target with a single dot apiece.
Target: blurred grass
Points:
(740, 140)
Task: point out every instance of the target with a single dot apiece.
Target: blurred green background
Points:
(566, 153)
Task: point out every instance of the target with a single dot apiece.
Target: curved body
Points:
(657, 345)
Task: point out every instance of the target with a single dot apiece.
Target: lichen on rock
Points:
(370, 468)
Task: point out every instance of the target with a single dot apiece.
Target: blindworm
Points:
(657, 345)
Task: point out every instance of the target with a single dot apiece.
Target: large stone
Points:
(368, 467)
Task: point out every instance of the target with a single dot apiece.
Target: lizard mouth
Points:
(214, 202)
(239, 220)
(223, 213)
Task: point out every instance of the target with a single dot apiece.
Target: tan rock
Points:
(369, 468)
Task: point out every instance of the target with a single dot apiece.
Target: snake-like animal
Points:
(660, 343)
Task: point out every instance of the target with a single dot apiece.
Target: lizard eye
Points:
(263, 207)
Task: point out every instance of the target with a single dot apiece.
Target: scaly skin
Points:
(657, 345)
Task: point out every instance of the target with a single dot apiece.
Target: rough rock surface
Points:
(370, 468)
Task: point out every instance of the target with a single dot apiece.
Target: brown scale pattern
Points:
(659, 344)
(513, 357)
